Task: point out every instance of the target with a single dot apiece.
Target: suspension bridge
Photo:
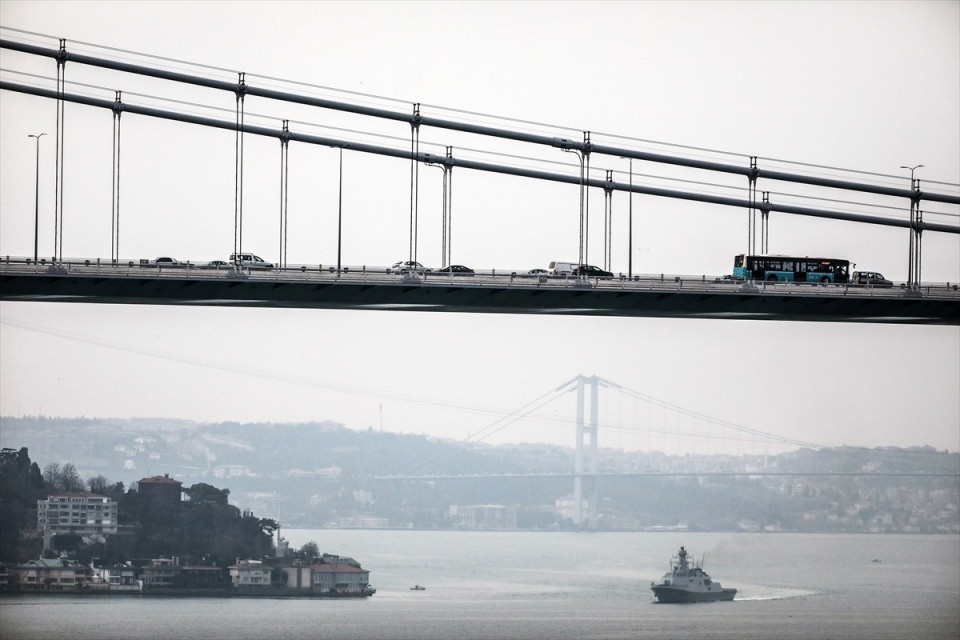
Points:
(338, 285)
(586, 474)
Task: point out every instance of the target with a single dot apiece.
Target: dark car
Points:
(871, 278)
(167, 261)
(455, 269)
(590, 271)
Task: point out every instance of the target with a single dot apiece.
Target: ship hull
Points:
(673, 595)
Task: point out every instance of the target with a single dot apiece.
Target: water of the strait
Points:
(556, 586)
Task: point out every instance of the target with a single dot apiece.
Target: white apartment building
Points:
(84, 514)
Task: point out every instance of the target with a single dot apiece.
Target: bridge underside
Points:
(798, 303)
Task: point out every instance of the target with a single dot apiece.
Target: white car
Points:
(250, 261)
(558, 268)
(407, 266)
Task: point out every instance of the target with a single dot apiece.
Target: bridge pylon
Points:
(585, 495)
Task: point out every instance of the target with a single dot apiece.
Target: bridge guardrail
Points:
(489, 278)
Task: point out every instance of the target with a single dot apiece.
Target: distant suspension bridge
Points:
(585, 472)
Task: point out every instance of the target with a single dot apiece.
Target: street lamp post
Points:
(911, 274)
(36, 198)
(584, 225)
(445, 240)
(630, 225)
(912, 169)
(340, 213)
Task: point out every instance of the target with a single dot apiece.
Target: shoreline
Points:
(188, 593)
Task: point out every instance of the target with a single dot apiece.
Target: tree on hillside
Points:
(203, 493)
(51, 473)
(21, 485)
(98, 484)
(310, 550)
(63, 478)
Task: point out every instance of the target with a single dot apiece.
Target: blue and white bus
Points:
(791, 269)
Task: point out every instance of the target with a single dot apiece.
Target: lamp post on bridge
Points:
(584, 224)
(340, 213)
(912, 169)
(445, 252)
(913, 268)
(630, 224)
(36, 198)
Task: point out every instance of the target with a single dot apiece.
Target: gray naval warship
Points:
(686, 583)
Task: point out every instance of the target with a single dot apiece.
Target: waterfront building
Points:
(484, 516)
(161, 572)
(120, 577)
(250, 573)
(57, 574)
(84, 514)
(202, 576)
(339, 577)
(327, 576)
(296, 576)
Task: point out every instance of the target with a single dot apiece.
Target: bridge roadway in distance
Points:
(495, 291)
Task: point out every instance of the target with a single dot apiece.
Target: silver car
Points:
(250, 261)
(871, 278)
(407, 266)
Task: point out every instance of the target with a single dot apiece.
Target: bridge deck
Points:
(492, 292)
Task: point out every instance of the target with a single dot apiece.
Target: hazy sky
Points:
(864, 86)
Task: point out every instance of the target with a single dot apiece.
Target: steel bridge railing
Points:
(492, 278)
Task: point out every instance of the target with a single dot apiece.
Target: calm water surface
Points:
(558, 586)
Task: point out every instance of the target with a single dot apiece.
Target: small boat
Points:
(417, 587)
(686, 583)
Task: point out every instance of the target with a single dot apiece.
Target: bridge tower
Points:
(585, 456)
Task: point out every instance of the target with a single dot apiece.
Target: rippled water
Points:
(556, 586)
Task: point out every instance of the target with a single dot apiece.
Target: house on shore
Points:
(328, 575)
(250, 573)
(56, 574)
(339, 577)
(169, 573)
(117, 577)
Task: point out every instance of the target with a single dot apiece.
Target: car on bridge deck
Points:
(407, 266)
(558, 268)
(216, 264)
(590, 271)
(250, 261)
(167, 261)
(540, 274)
(871, 278)
(454, 269)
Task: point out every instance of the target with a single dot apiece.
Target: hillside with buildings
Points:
(326, 475)
(157, 537)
